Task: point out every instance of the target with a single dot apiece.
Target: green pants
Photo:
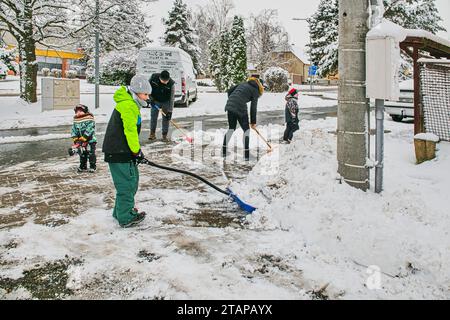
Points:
(126, 181)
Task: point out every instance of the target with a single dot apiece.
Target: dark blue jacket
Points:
(240, 95)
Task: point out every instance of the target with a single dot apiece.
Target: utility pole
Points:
(353, 104)
(310, 48)
(97, 55)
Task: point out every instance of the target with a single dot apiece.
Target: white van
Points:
(179, 64)
(404, 107)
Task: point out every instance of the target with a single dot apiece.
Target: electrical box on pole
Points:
(383, 61)
(382, 69)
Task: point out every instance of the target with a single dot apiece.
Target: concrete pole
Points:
(353, 104)
(97, 56)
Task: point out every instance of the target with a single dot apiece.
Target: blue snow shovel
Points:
(244, 206)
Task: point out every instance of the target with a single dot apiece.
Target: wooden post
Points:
(418, 114)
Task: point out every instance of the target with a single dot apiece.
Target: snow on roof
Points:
(390, 29)
(301, 55)
(427, 60)
(297, 51)
(164, 48)
(428, 35)
(387, 29)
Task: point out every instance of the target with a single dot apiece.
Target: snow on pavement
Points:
(310, 231)
(403, 233)
(16, 114)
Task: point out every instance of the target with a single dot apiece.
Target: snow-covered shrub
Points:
(205, 83)
(116, 68)
(57, 73)
(3, 70)
(8, 58)
(276, 79)
(45, 72)
(71, 74)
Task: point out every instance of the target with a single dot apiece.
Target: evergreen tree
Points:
(414, 14)
(225, 59)
(238, 52)
(220, 62)
(324, 30)
(215, 63)
(324, 27)
(180, 34)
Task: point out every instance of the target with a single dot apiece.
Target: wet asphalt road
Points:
(14, 153)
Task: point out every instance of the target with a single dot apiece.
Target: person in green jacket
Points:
(122, 148)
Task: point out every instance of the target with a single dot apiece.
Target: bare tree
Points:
(209, 21)
(265, 36)
(33, 22)
(57, 23)
(219, 11)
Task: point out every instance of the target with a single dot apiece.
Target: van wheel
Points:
(185, 104)
(196, 95)
(397, 118)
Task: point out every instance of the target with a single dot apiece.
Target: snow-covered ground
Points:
(14, 113)
(309, 233)
(337, 232)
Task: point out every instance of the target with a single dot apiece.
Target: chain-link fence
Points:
(435, 97)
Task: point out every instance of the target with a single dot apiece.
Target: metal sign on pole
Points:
(312, 72)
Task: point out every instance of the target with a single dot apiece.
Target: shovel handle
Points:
(173, 123)
(260, 135)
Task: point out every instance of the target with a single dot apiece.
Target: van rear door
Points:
(155, 60)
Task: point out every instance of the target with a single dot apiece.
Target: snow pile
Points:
(427, 137)
(403, 232)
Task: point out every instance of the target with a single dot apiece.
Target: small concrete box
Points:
(382, 64)
(59, 94)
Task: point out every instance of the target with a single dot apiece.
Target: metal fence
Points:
(435, 97)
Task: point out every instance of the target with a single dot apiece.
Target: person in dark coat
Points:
(236, 107)
(163, 96)
(291, 115)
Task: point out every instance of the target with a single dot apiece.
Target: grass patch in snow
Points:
(43, 282)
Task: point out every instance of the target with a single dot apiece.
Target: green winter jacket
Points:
(84, 127)
(122, 134)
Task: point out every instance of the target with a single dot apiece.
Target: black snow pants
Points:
(291, 127)
(233, 119)
(89, 154)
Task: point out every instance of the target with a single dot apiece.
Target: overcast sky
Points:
(287, 9)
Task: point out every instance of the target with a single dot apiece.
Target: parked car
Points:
(3, 70)
(179, 64)
(404, 108)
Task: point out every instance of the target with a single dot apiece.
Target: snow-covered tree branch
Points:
(66, 23)
(265, 35)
